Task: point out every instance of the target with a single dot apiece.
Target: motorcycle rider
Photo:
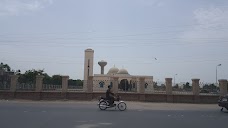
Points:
(110, 95)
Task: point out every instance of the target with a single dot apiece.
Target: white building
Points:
(127, 82)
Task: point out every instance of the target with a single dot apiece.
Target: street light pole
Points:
(217, 73)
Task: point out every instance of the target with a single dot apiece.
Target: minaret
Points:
(88, 64)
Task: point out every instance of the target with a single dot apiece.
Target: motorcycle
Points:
(103, 104)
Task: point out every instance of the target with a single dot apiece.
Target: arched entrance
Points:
(124, 85)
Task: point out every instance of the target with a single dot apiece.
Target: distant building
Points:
(101, 81)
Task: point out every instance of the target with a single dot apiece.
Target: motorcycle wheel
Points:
(122, 106)
(103, 105)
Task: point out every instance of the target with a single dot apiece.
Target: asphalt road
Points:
(23, 114)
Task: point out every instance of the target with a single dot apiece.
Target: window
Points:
(134, 85)
(146, 84)
(101, 84)
(111, 84)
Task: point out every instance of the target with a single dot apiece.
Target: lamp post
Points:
(217, 73)
(174, 80)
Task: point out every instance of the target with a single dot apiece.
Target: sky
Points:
(188, 38)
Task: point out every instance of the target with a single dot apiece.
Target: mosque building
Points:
(126, 81)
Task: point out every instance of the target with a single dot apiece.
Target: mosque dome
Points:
(122, 71)
(113, 70)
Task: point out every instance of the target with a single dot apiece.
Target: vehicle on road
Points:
(104, 103)
(223, 102)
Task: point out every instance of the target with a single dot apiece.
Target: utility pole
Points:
(217, 74)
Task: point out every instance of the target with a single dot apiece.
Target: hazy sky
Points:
(188, 37)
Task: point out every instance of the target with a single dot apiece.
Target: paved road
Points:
(28, 114)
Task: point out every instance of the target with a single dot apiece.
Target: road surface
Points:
(75, 114)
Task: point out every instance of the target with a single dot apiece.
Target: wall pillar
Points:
(142, 85)
(13, 82)
(39, 83)
(115, 84)
(65, 83)
(90, 84)
(195, 86)
(196, 90)
(169, 89)
(134, 80)
(223, 87)
(168, 84)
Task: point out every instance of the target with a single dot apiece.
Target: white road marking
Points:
(208, 116)
(87, 126)
(105, 123)
(176, 116)
(82, 121)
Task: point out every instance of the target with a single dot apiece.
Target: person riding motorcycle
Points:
(110, 95)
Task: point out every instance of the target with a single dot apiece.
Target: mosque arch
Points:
(127, 85)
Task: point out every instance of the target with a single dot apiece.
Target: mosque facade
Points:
(126, 81)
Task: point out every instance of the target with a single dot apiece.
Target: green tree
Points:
(155, 84)
(30, 76)
(56, 80)
(77, 82)
(176, 86)
(47, 79)
(187, 86)
(205, 86)
(5, 67)
(163, 86)
(210, 87)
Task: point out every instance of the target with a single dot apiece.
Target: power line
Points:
(94, 31)
(59, 37)
(119, 44)
(121, 62)
(120, 57)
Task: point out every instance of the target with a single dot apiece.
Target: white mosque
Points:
(127, 82)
